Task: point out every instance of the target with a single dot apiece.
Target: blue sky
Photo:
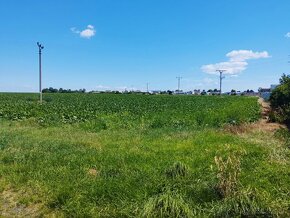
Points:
(118, 44)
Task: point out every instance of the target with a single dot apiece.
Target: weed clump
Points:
(178, 169)
(227, 175)
(168, 204)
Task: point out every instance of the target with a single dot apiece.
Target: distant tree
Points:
(203, 92)
(46, 90)
(285, 79)
(52, 90)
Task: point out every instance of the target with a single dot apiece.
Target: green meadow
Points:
(105, 155)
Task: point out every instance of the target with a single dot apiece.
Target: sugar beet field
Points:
(106, 155)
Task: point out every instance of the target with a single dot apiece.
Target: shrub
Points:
(280, 101)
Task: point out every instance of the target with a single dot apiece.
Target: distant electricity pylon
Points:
(178, 83)
(40, 47)
(221, 78)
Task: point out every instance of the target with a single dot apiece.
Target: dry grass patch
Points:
(13, 204)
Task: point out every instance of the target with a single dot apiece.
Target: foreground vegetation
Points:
(139, 156)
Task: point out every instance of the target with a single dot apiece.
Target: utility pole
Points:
(147, 86)
(178, 85)
(221, 78)
(40, 47)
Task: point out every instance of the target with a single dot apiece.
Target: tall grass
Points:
(168, 204)
(227, 175)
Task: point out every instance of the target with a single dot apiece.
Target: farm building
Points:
(266, 92)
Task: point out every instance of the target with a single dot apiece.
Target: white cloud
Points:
(237, 62)
(243, 55)
(287, 35)
(230, 67)
(86, 33)
(90, 26)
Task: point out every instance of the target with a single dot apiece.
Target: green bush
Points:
(280, 101)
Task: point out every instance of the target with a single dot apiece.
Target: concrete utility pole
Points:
(40, 47)
(221, 78)
(178, 85)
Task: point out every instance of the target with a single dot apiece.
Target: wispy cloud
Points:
(237, 62)
(287, 35)
(86, 33)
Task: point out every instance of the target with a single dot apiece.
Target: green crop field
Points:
(105, 155)
(130, 111)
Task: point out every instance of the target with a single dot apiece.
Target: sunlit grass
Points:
(131, 168)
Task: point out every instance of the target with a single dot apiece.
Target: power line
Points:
(40, 47)
(221, 78)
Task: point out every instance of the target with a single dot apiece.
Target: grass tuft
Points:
(168, 204)
(178, 169)
(227, 175)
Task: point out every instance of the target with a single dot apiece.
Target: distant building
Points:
(155, 92)
(266, 92)
(196, 91)
(179, 92)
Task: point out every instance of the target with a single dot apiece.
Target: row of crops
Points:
(129, 111)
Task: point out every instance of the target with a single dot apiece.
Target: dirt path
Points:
(266, 108)
(264, 123)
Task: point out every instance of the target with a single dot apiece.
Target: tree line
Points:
(61, 90)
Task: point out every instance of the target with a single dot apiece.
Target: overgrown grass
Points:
(125, 173)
